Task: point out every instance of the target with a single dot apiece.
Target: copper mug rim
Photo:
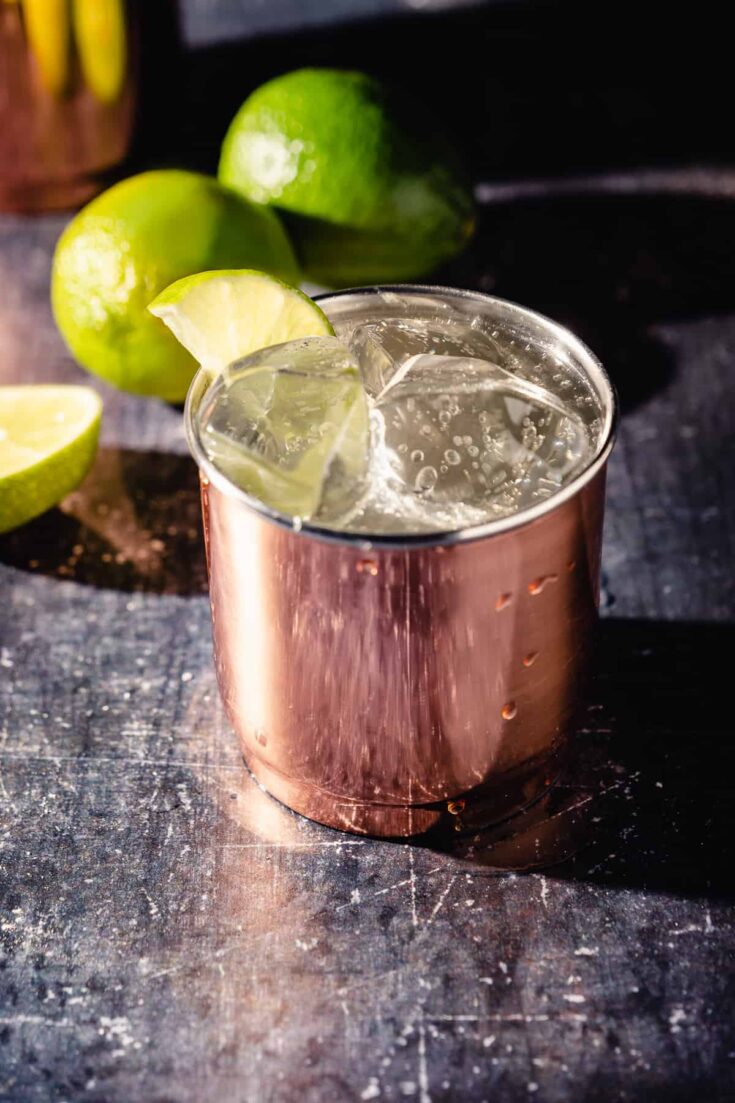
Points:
(568, 340)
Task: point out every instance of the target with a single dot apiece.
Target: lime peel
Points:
(222, 316)
(48, 440)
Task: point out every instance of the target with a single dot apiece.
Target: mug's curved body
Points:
(379, 686)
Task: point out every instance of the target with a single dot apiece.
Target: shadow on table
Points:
(648, 802)
(133, 525)
(611, 267)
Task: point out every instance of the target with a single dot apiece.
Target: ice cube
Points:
(382, 347)
(464, 432)
(289, 424)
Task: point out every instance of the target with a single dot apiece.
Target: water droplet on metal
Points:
(539, 584)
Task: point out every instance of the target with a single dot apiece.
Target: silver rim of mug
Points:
(559, 334)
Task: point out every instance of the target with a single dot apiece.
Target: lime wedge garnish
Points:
(48, 440)
(219, 317)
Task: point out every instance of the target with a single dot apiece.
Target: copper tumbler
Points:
(384, 685)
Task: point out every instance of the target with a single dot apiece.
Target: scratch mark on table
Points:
(440, 902)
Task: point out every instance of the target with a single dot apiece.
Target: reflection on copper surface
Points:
(370, 697)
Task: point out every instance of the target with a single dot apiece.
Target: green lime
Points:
(128, 244)
(48, 439)
(220, 317)
(369, 193)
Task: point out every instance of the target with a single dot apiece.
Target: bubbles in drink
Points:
(403, 424)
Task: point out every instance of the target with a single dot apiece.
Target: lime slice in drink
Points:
(219, 317)
(289, 425)
(48, 440)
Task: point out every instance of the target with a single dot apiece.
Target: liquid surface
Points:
(404, 424)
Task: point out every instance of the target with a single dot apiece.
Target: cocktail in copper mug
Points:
(386, 683)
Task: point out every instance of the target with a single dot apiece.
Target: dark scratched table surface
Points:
(168, 933)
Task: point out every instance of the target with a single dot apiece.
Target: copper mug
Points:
(389, 685)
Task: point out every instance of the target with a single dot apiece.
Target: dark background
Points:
(170, 934)
(526, 87)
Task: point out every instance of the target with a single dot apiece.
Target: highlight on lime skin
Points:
(130, 243)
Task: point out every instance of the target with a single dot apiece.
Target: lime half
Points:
(219, 317)
(48, 440)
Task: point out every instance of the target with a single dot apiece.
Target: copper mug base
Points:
(487, 806)
(392, 685)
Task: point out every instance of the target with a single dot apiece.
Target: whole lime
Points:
(130, 243)
(369, 192)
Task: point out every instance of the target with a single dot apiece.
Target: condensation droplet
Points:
(509, 710)
(530, 658)
(540, 584)
(454, 807)
(502, 601)
(452, 457)
(417, 455)
(367, 566)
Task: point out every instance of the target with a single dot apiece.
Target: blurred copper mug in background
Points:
(70, 74)
(386, 685)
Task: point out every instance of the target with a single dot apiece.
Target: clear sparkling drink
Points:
(418, 417)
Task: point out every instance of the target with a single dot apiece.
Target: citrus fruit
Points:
(48, 439)
(289, 424)
(369, 193)
(220, 317)
(130, 243)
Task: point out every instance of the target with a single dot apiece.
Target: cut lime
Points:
(48, 440)
(289, 425)
(220, 317)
